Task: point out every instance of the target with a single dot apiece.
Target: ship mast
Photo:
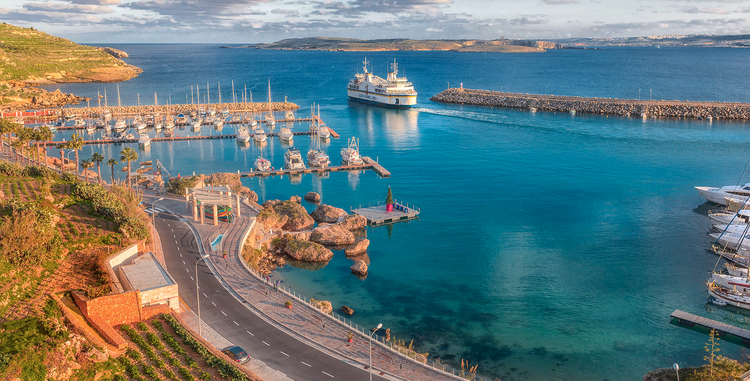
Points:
(365, 62)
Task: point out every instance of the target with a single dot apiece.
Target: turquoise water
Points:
(549, 246)
(215, 244)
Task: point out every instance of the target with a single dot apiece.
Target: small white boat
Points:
(285, 134)
(259, 135)
(193, 114)
(717, 195)
(733, 240)
(293, 159)
(209, 119)
(170, 124)
(130, 136)
(289, 115)
(262, 164)
(323, 132)
(252, 122)
(237, 118)
(211, 111)
(270, 120)
(730, 218)
(79, 122)
(729, 289)
(141, 126)
(225, 112)
(218, 124)
(243, 136)
(120, 125)
(196, 125)
(350, 154)
(144, 140)
(318, 159)
(158, 126)
(106, 115)
(181, 119)
(718, 302)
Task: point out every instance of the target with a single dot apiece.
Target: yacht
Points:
(169, 124)
(196, 125)
(259, 135)
(289, 115)
(79, 122)
(391, 91)
(106, 115)
(243, 136)
(218, 124)
(237, 118)
(144, 141)
(141, 126)
(181, 119)
(293, 159)
(158, 125)
(350, 154)
(717, 195)
(270, 120)
(323, 132)
(315, 156)
(262, 164)
(211, 111)
(732, 290)
(120, 125)
(285, 134)
(225, 112)
(730, 218)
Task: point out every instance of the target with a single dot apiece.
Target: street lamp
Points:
(198, 297)
(677, 370)
(153, 213)
(372, 332)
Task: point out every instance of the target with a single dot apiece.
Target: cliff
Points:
(401, 44)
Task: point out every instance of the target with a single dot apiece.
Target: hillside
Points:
(28, 55)
(667, 40)
(355, 45)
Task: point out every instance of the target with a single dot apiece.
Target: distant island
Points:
(29, 57)
(665, 40)
(402, 44)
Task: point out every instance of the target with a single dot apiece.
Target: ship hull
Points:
(395, 101)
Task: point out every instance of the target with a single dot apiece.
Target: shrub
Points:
(27, 236)
(142, 326)
(149, 370)
(36, 171)
(133, 354)
(170, 375)
(185, 374)
(10, 169)
(205, 376)
(154, 340)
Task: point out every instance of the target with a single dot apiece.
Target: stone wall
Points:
(113, 309)
(604, 106)
(168, 294)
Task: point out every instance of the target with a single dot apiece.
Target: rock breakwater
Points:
(603, 106)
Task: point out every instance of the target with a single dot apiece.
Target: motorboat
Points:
(91, 128)
(211, 111)
(225, 112)
(169, 124)
(718, 302)
(289, 115)
(218, 124)
(315, 156)
(237, 118)
(243, 136)
(193, 114)
(285, 134)
(106, 115)
(120, 125)
(259, 135)
(262, 164)
(323, 132)
(270, 120)
(196, 125)
(717, 195)
(79, 122)
(158, 126)
(730, 218)
(293, 159)
(350, 154)
(181, 119)
(144, 140)
(209, 120)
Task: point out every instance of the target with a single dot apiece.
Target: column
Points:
(239, 213)
(195, 210)
(216, 214)
(187, 198)
(202, 212)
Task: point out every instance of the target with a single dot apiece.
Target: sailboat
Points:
(259, 135)
(350, 154)
(315, 156)
(270, 120)
(261, 163)
(243, 136)
(323, 131)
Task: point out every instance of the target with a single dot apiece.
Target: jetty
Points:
(722, 329)
(378, 215)
(369, 164)
(602, 106)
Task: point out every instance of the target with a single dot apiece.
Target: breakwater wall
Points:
(603, 106)
(257, 107)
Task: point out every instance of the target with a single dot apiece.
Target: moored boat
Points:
(259, 135)
(285, 134)
(391, 91)
(144, 140)
(243, 136)
(293, 159)
(350, 154)
(718, 195)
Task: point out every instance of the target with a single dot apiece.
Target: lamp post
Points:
(677, 370)
(198, 297)
(372, 332)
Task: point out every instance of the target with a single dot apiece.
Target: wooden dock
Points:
(377, 215)
(281, 172)
(691, 320)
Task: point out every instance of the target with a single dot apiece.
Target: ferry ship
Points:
(391, 92)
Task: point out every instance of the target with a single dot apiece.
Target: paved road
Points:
(233, 320)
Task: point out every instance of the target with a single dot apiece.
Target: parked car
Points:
(237, 354)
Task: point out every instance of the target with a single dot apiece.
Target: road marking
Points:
(213, 304)
(168, 224)
(191, 278)
(175, 242)
(249, 333)
(204, 295)
(183, 262)
(235, 323)
(266, 343)
(328, 374)
(174, 236)
(222, 312)
(172, 230)
(306, 364)
(178, 249)
(180, 255)
(186, 269)
(284, 354)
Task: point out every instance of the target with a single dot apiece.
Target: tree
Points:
(712, 348)
(17, 146)
(44, 134)
(389, 201)
(62, 147)
(112, 163)
(7, 127)
(24, 135)
(86, 164)
(98, 158)
(75, 143)
(128, 155)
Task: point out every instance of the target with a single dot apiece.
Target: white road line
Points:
(222, 312)
(180, 255)
(191, 278)
(284, 354)
(328, 374)
(183, 262)
(249, 333)
(186, 269)
(213, 304)
(306, 364)
(204, 295)
(175, 242)
(266, 343)
(178, 249)
(172, 230)
(235, 323)
(174, 236)
(168, 224)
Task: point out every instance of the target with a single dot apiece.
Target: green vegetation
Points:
(354, 45)
(28, 54)
(178, 186)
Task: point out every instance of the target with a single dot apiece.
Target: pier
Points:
(691, 320)
(602, 106)
(368, 164)
(378, 215)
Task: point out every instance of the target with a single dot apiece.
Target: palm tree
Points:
(112, 162)
(24, 135)
(7, 127)
(62, 147)
(86, 164)
(17, 146)
(128, 155)
(75, 143)
(97, 158)
(44, 134)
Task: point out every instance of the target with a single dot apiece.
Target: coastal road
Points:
(234, 321)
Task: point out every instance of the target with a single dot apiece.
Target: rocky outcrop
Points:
(296, 199)
(303, 235)
(328, 214)
(246, 192)
(297, 217)
(359, 247)
(322, 305)
(347, 310)
(306, 251)
(354, 222)
(334, 235)
(231, 180)
(312, 197)
(114, 52)
(359, 267)
(271, 219)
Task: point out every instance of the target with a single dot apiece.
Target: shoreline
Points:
(602, 106)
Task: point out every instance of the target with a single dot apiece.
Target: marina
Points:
(368, 164)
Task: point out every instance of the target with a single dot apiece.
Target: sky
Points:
(253, 21)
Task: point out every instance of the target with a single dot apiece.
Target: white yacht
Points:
(717, 195)
(315, 156)
(181, 119)
(732, 290)
(141, 126)
(350, 154)
(106, 115)
(323, 132)
(285, 134)
(262, 164)
(735, 239)
(144, 141)
(211, 111)
(293, 159)
(196, 125)
(270, 120)
(243, 136)
(259, 135)
(391, 91)
(218, 124)
(79, 122)
(289, 115)
(730, 218)
(158, 125)
(236, 118)
(169, 124)
(120, 125)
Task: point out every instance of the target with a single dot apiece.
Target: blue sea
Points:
(549, 247)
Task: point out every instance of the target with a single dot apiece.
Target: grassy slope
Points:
(349, 44)
(30, 55)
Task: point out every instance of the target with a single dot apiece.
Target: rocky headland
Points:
(603, 106)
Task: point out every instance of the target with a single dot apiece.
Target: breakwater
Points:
(257, 107)
(603, 106)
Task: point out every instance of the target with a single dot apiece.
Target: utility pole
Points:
(219, 91)
(208, 95)
(234, 96)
